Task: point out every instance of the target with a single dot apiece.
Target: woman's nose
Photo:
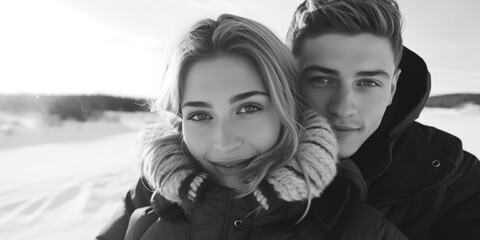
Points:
(226, 138)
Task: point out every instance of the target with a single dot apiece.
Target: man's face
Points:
(350, 79)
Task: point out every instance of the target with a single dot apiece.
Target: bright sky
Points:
(120, 46)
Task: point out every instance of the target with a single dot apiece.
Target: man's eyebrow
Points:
(246, 95)
(316, 68)
(373, 73)
(197, 104)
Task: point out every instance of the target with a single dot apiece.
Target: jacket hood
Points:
(413, 89)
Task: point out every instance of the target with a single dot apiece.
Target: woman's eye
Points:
(320, 81)
(198, 116)
(249, 108)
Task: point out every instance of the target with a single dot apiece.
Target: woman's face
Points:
(228, 118)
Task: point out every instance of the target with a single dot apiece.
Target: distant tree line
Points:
(77, 107)
(82, 107)
(453, 100)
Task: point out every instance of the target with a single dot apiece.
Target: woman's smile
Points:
(230, 163)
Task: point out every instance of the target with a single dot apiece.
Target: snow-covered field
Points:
(63, 180)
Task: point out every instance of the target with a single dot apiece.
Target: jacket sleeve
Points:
(360, 220)
(140, 220)
(459, 217)
(137, 197)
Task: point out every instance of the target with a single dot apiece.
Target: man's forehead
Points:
(360, 52)
(348, 41)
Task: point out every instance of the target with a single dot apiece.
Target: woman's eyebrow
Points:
(246, 95)
(197, 104)
(233, 99)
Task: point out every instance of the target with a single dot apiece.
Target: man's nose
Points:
(226, 137)
(343, 103)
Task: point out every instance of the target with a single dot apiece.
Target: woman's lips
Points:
(230, 164)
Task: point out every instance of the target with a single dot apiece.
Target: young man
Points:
(350, 57)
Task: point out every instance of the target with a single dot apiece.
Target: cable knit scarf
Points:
(173, 176)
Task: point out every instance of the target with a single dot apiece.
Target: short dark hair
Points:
(381, 18)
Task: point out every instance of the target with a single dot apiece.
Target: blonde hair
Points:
(244, 38)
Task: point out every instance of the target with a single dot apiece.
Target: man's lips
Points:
(345, 127)
(344, 130)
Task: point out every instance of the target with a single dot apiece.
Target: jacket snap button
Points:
(436, 163)
(237, 223)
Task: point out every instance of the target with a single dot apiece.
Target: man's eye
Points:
(198, 116)
(249, 108)
(369, 83)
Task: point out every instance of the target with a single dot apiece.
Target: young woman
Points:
(238, 157)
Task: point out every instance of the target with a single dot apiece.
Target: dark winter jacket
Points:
(332, 216)
(419, 177)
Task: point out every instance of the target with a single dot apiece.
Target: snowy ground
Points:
(63, 180)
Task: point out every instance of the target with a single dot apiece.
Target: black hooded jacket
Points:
(412, 182)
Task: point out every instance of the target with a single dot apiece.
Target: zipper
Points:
(229, 214)
(192, 225)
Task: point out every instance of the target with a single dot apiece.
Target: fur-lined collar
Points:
(317, 151)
